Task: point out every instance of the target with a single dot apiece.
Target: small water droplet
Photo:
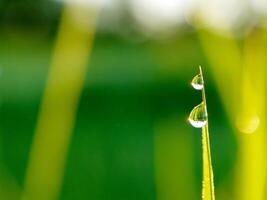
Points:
(198, 116)
(197, 82)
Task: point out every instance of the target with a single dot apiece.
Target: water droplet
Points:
(197, 82)
(198, 116)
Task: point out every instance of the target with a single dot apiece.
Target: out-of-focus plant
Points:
(242, 93)
(59, 105)
(251, 119)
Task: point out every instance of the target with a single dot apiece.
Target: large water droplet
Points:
(197, 82)
(198, 116)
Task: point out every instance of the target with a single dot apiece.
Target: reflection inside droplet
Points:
(197, 82)
(198, 116)
(247, 123)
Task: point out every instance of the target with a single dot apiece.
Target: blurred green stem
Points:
(57, 115)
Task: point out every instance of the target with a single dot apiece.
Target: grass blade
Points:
(199, 119)
(208, 185)
(56, 120)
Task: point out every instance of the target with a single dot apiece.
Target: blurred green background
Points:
(130, 139)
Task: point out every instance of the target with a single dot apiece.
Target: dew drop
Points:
(197, 82)
(198, 116)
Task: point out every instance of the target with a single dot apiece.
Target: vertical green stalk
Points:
(251, 120)
(57, 116)
(199, 119)
(208, 185)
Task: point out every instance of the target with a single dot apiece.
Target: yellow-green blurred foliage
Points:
(94, 99)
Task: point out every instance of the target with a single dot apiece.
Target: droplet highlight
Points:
(198, 116)
(197, 82)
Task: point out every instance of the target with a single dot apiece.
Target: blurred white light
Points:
(91, 3)
(160, 14)
(259, 6)
(222, 14)
(165, 15)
